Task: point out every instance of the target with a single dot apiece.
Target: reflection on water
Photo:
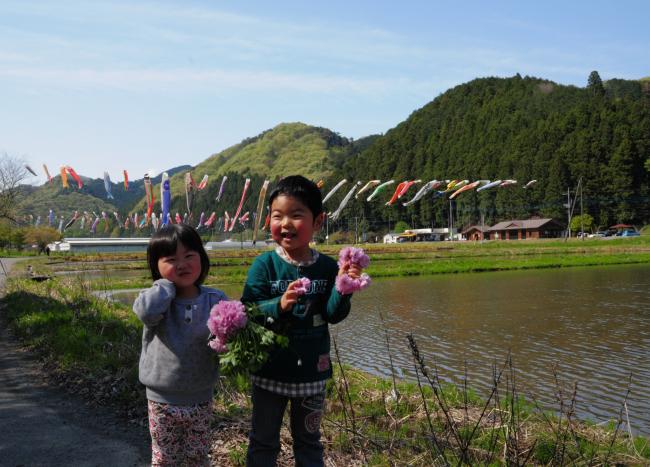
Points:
(98, 274)
(592, 324)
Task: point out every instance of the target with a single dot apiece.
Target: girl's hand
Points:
(289, 298)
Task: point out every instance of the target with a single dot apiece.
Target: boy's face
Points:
(293, 226)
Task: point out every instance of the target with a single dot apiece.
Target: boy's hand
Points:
(352, 270)
(290, 297)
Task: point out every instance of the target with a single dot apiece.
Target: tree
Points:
(595, 84)
(621, 180)
(401, 226)
(12, 172)
(580, 222)
(647, 164)
(41, 236)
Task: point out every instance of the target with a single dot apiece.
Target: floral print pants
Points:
(180, 435)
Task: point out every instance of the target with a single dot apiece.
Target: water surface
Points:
(589, 326)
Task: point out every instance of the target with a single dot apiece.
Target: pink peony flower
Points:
(303, 287)
(226, 318)
(217, 345)
(347, 285)
(348, 256)
(351, 255)
(364, 281)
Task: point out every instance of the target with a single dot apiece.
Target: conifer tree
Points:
(595, 84)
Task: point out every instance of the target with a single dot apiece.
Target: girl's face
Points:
(293, 226)
(182, 268)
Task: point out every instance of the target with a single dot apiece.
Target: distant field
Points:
(387, 260)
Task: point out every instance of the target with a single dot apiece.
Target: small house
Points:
(525, 229)
(476, 232)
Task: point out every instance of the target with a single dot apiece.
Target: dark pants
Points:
(305, 416)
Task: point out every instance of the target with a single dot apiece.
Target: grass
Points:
(368, 421)
(63, 320)
(231, 266)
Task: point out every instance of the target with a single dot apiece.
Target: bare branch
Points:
(12, 173)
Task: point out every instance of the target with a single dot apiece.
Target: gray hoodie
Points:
(176, 364)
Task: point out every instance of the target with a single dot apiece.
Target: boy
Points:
(297, 373)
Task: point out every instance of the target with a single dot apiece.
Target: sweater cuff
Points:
(337, 300)
(168, 287)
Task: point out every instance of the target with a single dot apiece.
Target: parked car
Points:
(630, 233)
(598, 235)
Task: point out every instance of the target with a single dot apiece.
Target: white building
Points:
(391, 237)
(422, 235)
(87, 245)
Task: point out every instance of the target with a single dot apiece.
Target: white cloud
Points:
(219, 81)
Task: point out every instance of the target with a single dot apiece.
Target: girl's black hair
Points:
(302, 189)
(165, 242)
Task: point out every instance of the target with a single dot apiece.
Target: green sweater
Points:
(306, 359)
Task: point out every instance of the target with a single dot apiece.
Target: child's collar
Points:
(283, 254)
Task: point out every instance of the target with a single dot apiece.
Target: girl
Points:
(177, 367)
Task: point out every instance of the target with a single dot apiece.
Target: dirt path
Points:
(41, 425)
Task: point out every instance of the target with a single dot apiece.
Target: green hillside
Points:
(520, 128)
(289, 148)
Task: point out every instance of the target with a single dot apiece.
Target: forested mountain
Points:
(519, 128)
(489, 128)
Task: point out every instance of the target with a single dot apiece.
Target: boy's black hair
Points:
(165, 242)
(302, 189)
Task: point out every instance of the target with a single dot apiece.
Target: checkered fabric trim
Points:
(289, 389)
(285, 256)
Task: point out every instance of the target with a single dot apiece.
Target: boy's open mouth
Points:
(288, 235)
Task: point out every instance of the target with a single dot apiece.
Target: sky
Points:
(146, 86)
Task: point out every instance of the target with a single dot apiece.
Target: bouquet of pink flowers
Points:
(348, 256)
(243, 345)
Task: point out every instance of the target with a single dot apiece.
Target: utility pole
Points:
(451, 219)
(568, 211)
(356, 229)
(482, 226)
(327, 229)
(582, 219)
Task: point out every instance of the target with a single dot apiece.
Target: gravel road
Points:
(42, 425)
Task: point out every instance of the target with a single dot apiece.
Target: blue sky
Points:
(145, 86)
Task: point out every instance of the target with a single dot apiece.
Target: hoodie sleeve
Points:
(152, 304)
(257, 290)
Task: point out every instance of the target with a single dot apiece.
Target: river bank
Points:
(369, 421)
